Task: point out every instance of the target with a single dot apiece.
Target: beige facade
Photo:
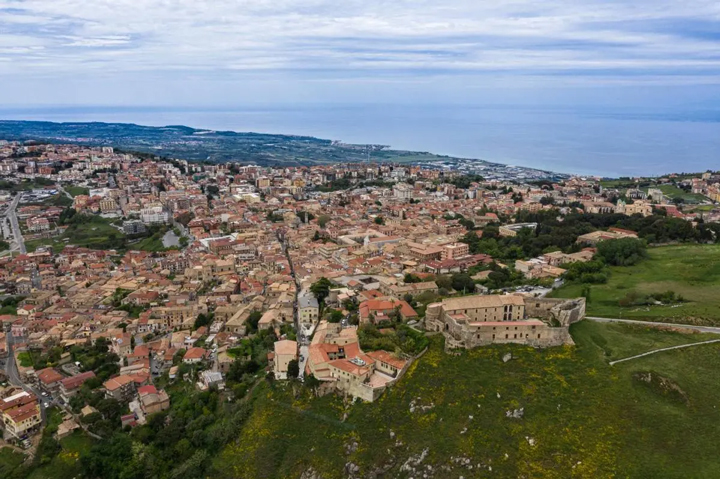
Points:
(285, 351)
(475, 321)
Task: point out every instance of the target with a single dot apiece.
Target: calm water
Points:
(611, 143)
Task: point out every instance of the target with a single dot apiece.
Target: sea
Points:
(585, 141)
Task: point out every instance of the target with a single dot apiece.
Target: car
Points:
(46, 405)
(43, 393)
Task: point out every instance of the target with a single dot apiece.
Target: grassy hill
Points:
(692, 271)
(448, 416)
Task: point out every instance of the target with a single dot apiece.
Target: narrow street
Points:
(301, 340)
(14, 378)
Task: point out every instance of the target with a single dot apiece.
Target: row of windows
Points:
(515, 336)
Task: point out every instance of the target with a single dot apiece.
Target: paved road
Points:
(664, 349)
(12, 217)
(63, 191)
(14, 377)
(702, 329)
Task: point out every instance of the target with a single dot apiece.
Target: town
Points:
(124, 276)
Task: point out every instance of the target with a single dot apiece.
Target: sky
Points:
(232, 52)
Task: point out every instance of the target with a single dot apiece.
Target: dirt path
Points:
(612, 363)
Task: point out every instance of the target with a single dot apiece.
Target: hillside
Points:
(448, 416)
(692, 271)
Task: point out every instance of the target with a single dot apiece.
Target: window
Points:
(538, 336)
(515, 337)
(506, 336)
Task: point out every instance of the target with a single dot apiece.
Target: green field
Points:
(66, 464)
(582, 417)
(674, 192)
(97, 234)
(77, 190)
(692, 271)
(9, 461)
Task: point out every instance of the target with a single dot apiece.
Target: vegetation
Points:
(154, 242)
(89, 231)
(10, 460)
(77, 190)
(582, 418)
(553, 235)
(400, 340)
(690, 272)
(26, 185)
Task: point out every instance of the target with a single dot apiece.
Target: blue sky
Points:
(233, 52)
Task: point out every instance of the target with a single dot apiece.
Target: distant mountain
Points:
(183, 142)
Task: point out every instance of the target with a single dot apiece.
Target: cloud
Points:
(619, 40)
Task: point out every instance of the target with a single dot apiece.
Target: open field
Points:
(77, 190)
(97, 234)
(66, 464)
(692, 271)
(582, 418)
(674, 192)
(9, 461)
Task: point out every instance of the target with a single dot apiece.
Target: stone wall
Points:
(546, 324)
(564, 311)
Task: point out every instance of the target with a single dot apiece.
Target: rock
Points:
(515, 413)
(310, 474)
(471, 417)
(507, 357)
(352, 468)
(392, 434)
(498, 395)
(530, 441)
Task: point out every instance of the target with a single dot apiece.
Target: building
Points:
(134, 227)
(474, 321)
(285, 351)
(512, 230)
(209, 379)
(154, 215)
(454, 251)
(403, 191)
(336, 360)
(20, 415)
(121, 388)
(70, 386)
(152, 400)
(382, 309)
(49, 380)
(194, 355)
(597, 236)
(308, 308)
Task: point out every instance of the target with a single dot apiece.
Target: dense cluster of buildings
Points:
(258, 238)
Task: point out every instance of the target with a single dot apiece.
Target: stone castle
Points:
(473, 321)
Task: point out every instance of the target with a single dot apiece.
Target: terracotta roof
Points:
(49, 376)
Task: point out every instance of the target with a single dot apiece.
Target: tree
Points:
(253, 320)
(379, 220)
(463, 282)
(311, 381)
(323, 220)
(321, 289)
(443, 282)
(316, 236)
(335, 316)
(203, 320)
(293, 369)
(622, 252)
(411, 278)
